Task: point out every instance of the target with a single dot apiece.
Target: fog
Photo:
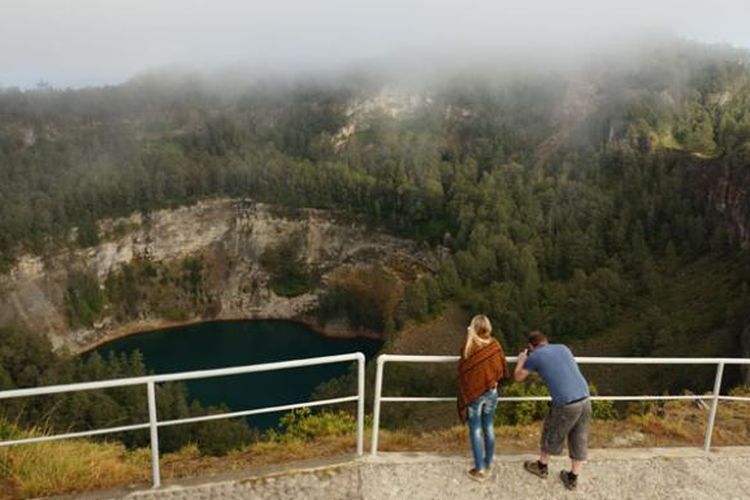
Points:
(95, 42)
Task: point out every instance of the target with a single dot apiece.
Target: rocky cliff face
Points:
(726, 189)
(228, 236)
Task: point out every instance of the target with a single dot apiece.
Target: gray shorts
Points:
(571, 421)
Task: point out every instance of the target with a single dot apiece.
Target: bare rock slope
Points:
(229, 236)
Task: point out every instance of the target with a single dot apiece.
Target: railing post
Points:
(376, 405)
(154, 433)
(714, 406)
(360, 404)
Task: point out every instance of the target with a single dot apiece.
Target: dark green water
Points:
(234, 343)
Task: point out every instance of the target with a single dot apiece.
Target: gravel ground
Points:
(616, 474)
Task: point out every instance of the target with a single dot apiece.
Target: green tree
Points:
(289, 275)
(416, 299)
(84, 299)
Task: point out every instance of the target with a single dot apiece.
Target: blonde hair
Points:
(478, 334)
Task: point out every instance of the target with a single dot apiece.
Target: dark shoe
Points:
(537, 468)
(569, 479)
(477, 475)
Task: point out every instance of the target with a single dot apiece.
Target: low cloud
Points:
(95, 42)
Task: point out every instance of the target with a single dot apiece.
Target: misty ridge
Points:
(529, 91)
(525, 87)
(670, 62)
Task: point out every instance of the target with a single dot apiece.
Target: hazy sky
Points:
(92, 42)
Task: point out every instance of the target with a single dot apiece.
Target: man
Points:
(570, 413)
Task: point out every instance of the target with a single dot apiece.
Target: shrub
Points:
(521, 412)
(219, 437)
(602, 410)
(741, 391)
(289, 274)
(303, 424)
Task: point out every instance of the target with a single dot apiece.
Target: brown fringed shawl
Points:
(478, 373)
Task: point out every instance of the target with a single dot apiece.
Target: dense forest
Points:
(569, 200)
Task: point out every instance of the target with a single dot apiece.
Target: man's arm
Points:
(520, 373)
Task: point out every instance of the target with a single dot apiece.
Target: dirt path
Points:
(654, 473)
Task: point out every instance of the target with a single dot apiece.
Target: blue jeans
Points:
(481, 428)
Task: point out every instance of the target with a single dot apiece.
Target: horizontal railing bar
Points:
(258, 411)
(398, 399)
(219, 372)
(652, 398)
(415, 358)
(72, 435)
(263, 367)
(662, 361)
(175, 377)
(408, 358)
(734, 398)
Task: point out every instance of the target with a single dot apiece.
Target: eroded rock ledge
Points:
(229, 237)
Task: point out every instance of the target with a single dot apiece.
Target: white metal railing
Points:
(715, 396)
(153, 422)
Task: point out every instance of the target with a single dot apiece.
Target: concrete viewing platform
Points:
(636, 473)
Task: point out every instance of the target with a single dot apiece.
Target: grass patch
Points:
(67, 466)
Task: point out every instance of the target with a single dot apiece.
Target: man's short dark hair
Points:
(536, 337)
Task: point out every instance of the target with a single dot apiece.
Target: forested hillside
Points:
(567, 199)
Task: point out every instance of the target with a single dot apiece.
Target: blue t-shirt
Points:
(559, 370)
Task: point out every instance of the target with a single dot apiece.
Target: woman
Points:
(481, 367)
